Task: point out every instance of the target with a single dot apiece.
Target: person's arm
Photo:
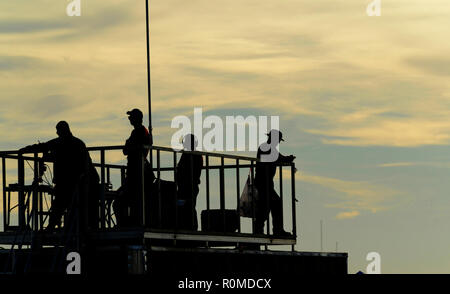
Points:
(283, 159)
(128, 143)
(40, 147)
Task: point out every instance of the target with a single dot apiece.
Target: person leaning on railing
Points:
(71, 162)
(268, 199)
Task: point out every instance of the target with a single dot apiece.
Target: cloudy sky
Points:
(363, 101)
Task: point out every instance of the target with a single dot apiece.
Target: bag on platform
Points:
(247, 202)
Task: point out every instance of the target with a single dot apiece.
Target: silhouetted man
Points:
(268, 199)
(189, 170)
(136, 156)
(72, 168)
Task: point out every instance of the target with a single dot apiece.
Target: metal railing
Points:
(30, 197)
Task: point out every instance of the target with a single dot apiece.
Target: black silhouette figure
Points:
(189, 170)
(268, 200)
(131, 193)
(72, 170)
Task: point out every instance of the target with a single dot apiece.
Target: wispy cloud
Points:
(347, 214)
(397, 164)
(355, 195)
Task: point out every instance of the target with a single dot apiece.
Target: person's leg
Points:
(262, 211)
(57, 208)
(277, 211)
(277, 215)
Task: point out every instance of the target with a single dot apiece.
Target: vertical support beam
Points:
(149, 86)
(281, 194)
(21, 181)
(222, 191)
(142, 191)
(252, 181)
(176, 188)
(108, 176)
(122, 176)
(207, 190)
(294, 217)
(35, 207)
(222, 184)
(108, 209)
(238, 192)
(5, 209)
(158, 176)
(193, 211)
(268, 196)
(102, 193)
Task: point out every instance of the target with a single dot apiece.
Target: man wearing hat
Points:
(135, 152)
(268, 200)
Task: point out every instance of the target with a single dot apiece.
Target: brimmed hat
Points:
(135, 113)
(274, 133)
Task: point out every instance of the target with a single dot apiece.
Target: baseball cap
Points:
(136, 113)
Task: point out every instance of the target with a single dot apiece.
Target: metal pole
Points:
(102, 194)
(238, 191)
(176, 190)
(207, 191)
(5, 209)
(252, 181)
(158, 175)
(222, 190)
(21, 181)
(141, 213)
(35, 193)
(294, 215)
(149, 89)
(281, 192)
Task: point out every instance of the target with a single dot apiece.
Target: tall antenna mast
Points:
(149, 89)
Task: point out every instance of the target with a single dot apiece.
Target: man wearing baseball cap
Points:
(134, 150)
(268, 199)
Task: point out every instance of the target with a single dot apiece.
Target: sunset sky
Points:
(364, 102)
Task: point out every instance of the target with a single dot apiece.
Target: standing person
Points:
(135, 152)
(71, 170)
(189, 170)
(268, 200)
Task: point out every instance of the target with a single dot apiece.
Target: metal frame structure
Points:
(31, 213)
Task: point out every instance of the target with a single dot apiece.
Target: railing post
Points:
(21, 181)
(222, 190)
(207, 191)
(108, 182)
(122, 176)
(281, 194)
(238, 191)
(5, 209)
(102, 194)
(268, 196)
(252, 181)
(142, 191)
(35, 193)
(294, 217)
(158, 176)
(193, 211)
(176, 187)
